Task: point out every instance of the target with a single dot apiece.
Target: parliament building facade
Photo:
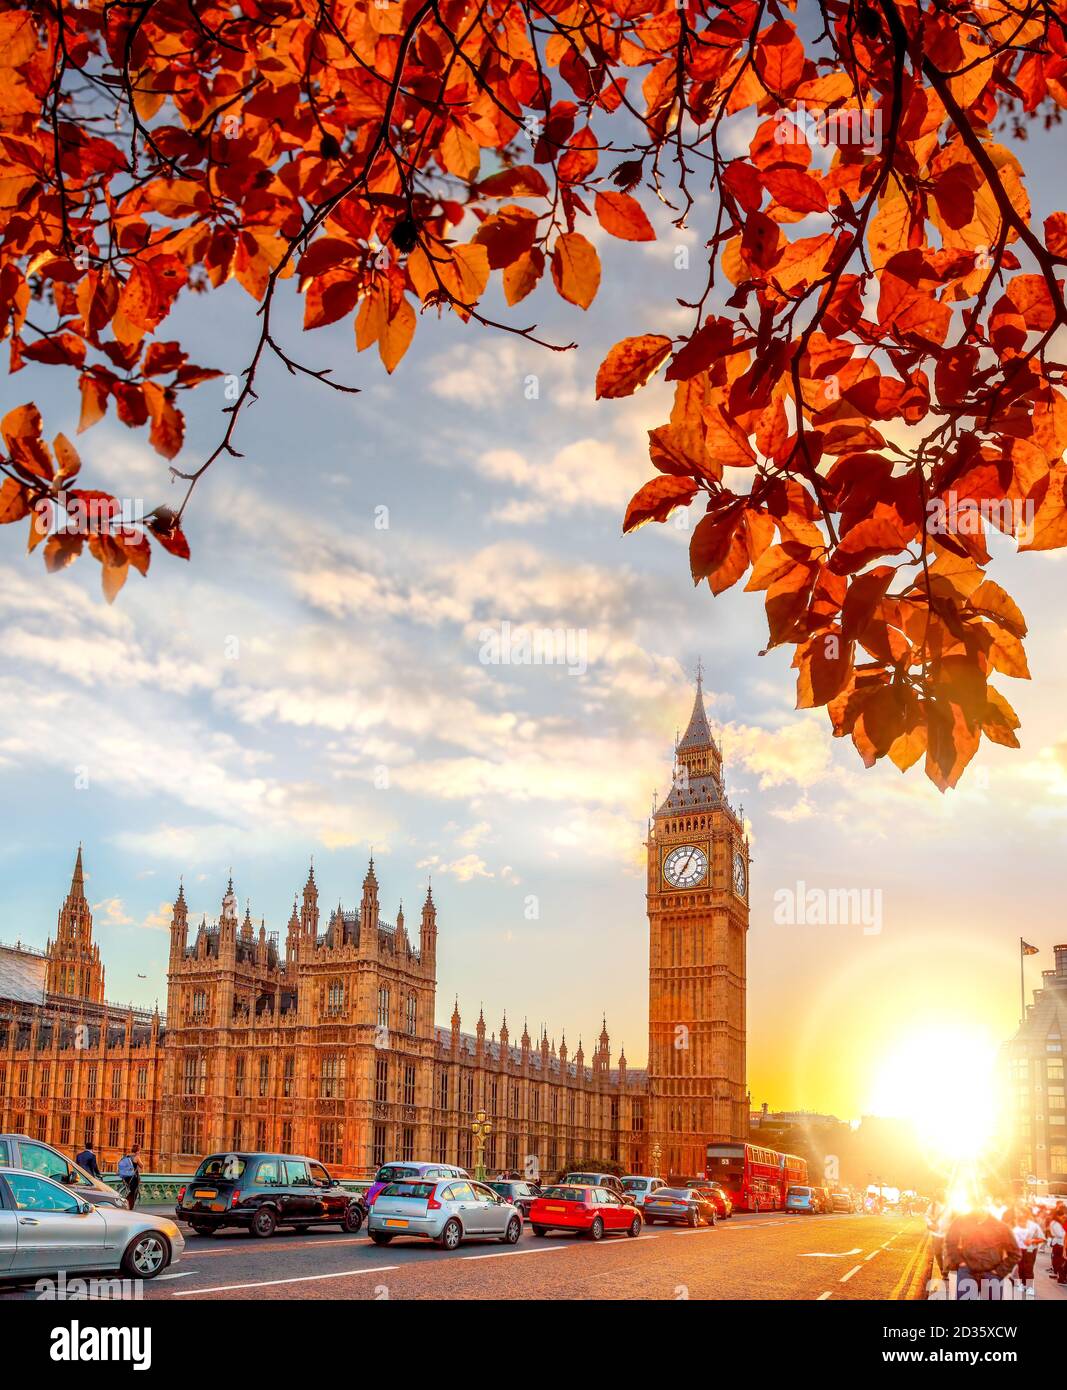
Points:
(332, 1048)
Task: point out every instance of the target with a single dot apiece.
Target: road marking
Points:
(827, 1294)
(503, 1254)
(854, 1270)
(268, 1283)
(830, 1254)
(870, 1256)
(183, 1275)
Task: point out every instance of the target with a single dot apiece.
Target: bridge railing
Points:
(163, 1187)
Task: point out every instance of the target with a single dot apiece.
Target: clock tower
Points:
(697, 918)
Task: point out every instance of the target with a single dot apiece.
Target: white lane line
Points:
(870, 1256)
(183, 1275)
(503, 1254)
(854, 1270)
(827, 1294)
(830, 1254)
(269, 1283)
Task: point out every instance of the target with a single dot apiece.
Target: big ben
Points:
(698, 892)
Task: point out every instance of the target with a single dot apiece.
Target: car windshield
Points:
(225, 1167)
(394, 1171)
(674, 1192)
(585, 1179)
(799, 1192)
(505, 1189)
(635, 1184)
(414, 1191)
(564, 1194)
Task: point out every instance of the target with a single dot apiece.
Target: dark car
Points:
(519, 1193)
(608, 1180)
(20, 1151)
(687, 1206)
(262, 1191)
(716, 1194)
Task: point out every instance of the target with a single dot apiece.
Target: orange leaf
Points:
(623, 217)
(657, 499)
(630, 364)
(576, 269)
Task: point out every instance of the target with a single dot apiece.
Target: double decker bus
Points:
(750, 1173)
(794, 1173)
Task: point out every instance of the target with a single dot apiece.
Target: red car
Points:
(592, 1211)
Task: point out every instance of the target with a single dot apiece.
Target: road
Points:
(771, 1256)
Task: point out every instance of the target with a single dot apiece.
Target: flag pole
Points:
(1022, 984)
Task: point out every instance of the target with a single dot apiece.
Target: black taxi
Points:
(262, 1191)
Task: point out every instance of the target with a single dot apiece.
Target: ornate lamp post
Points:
(481, 1129)
(656, 1155)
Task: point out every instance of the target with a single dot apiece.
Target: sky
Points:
(314, 684)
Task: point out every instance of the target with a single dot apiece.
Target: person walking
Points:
(1029, 1237)
(1056, 1232)
(937, 1216)
(87, 1159)
(979, 1248)
(130, 1173)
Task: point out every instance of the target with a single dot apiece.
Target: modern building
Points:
(333, 1048)
(1035, 1082)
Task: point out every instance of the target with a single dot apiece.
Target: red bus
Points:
(750, 1173)
(794, 1173)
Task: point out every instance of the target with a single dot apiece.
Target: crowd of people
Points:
(977, 1247)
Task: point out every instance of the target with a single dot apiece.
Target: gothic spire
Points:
(698, 734)
(77, 882)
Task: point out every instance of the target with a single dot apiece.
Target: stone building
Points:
(332, 1047)
(1035, 1082)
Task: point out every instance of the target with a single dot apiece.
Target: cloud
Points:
(464, 869)
(111, 913)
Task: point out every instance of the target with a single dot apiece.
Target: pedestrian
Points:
(979, 1248)
(1056, 1231)
(87, 1159)
(130, 1173)
(937, 1215)
(1029, 1237)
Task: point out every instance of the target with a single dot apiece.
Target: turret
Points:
(179, 927)
(228, 923)
(428, 932)
(292, 936)
(309, 912)
(368, 907)
(73, 960)
(479, 1034)
(456, 1023)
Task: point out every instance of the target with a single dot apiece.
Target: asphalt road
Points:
(771, 1256)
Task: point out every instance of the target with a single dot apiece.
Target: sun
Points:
(942, 1078)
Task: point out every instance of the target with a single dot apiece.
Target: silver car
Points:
(447, 1212)
(20, 1151)
(45, 1227)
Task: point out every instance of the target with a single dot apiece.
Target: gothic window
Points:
(237, 1135)
(288, 1068)
(90, 1083)
(239, 1075)
(113, 1132)
(409, 1083)
(493, 1094)
(142, 1083)
(535, 1103)
(407, 1144)
(43, 1089)
(190, 1135)
(195, 1076)
(264, 1075)
(514, 1108)
(90, 1132)
(331, 1141)
(378, 1149)
(64, 1130)
(287, 1136)
(442, 1093)
(469, 1096)
(381, 1084)
(412, 1014)
(335, 998)
(332, 1078)
(68, 1082)
(199, 1004)
(116, 1083)
(383, 1007)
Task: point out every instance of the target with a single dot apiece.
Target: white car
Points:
(641, 1188)
(45, 1227)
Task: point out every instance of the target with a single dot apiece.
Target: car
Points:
(608, 1180)
(841, 1201)
(824, 1201)
(262, 1191)
(801, 1199)
(20, 1151)
(716, 1193)
(397, 1172)
(686, 1206)
(591, 1210)
(46, 1227)
(447, 1211)
(519, 1193)
(639, 1188)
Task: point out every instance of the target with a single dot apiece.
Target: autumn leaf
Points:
(623, 217)
(576, 269)
(630, 364)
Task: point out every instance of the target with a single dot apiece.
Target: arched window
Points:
(412, 1014)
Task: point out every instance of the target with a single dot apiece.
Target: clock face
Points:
(740, 875)
(685, 866)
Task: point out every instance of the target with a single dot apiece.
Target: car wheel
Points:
(694, 1219)
(513, 1232)
(596, 1230)
(353, 1222)
(540, 1230)
(264, 1223)
(201, 1229)
(380, 1237)
(635, 1227)
(146, 1255)
(452, 1234)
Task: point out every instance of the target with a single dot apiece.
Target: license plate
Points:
(561, 1207)
(207, 1192)
(393, 1222)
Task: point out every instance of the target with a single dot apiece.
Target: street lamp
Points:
(481, 1129)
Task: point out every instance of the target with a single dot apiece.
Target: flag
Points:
(1028, 950)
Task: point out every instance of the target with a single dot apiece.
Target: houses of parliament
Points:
(332, 1048)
